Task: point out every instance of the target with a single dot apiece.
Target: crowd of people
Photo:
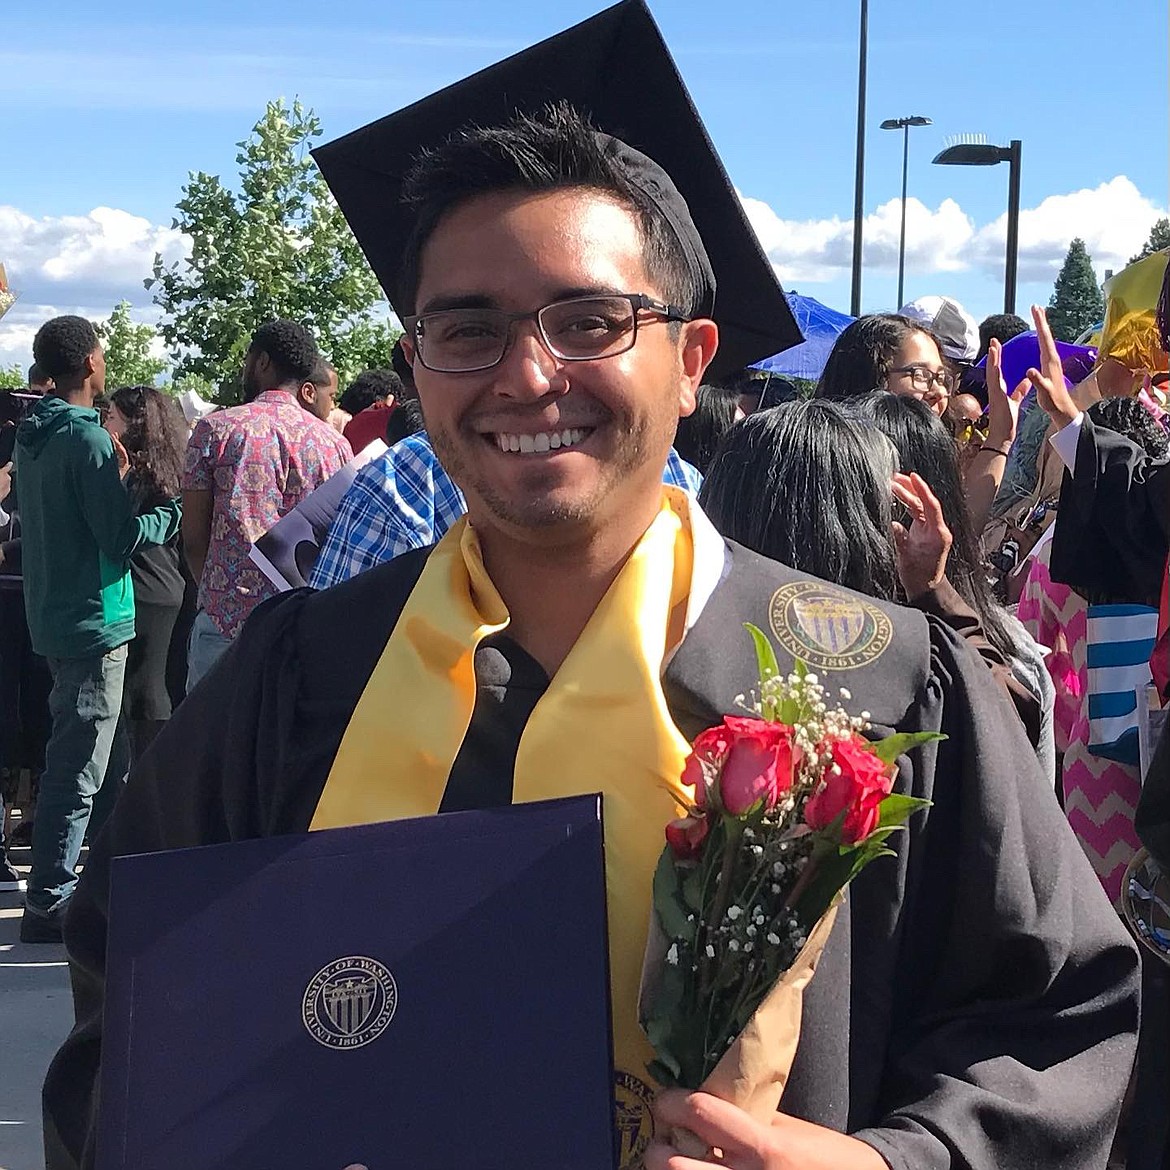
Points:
(1008, 525)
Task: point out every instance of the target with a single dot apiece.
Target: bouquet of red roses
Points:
(791, 803)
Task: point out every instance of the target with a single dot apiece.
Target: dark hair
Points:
(290, 348)
(863, 355)
(925, 446)
(700, 433)
(1003, 327)
(405, 419)
(1128, 417)
(62, 345)
(155, 440)
(804, 484)
(37, 376)
(322, 372)
(556, 149)
(403, 369)
(368, 387)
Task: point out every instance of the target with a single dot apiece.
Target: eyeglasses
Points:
(582, 329)
(924, 379)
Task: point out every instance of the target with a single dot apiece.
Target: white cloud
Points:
(100, 257)
(1113, 219)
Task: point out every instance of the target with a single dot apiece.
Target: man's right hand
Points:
(5, 481)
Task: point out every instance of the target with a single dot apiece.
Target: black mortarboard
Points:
(615, 68)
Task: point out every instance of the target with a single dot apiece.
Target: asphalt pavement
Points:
(36, 1013)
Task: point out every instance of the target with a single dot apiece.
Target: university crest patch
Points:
(828, 628)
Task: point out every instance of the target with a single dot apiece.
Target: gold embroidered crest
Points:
(828, 628)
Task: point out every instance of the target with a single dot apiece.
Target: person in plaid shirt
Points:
(403, 500)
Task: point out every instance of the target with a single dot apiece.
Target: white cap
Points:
(194, 408)
(955, 328)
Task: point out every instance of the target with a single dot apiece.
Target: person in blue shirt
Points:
(405, 500)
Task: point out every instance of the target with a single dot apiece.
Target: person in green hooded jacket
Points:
(79, 532)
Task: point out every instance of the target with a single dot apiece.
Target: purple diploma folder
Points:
(426, 994)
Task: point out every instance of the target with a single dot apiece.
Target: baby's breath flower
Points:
(733, 912)
(773, 938)
(732, 945)
(672, 955)
(710, 951)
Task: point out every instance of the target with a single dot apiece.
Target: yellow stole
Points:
(602, 725)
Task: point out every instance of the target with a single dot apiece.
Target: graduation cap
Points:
(616, 69)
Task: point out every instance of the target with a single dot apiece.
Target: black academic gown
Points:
(977, 1002)
(1113, 521)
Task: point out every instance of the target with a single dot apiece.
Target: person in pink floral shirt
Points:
(245, 468)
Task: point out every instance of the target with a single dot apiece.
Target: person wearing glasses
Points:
(885, 351)
(564, 295)
(405, 499)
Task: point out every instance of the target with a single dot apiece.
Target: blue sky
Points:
(110, 108)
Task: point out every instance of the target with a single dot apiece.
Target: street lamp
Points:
(859, 172)
(983, 154)
(904, 125)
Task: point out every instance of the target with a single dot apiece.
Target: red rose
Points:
(759, 765)
(686, 836)
(709, 747)
(855, 785)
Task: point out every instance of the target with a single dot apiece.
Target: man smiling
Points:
(975, 1004)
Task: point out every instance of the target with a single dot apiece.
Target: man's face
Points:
(97, 378)
(518, 252)
(319, 400)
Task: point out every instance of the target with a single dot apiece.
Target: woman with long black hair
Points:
(817, 487)
(925, 447)
(150, 425)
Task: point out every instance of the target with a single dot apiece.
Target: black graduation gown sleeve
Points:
(1013, 992)
(1113, 521)
(245, 755)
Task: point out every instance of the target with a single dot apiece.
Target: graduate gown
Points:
(976, 1005)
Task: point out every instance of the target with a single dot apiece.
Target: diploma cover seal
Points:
(827, 628)
(349, 1002)
(632, 1116)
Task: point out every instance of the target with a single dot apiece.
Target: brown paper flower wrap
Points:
(791, 803)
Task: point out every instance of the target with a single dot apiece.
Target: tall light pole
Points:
(982, 154)
(904, 125)
(859, 175)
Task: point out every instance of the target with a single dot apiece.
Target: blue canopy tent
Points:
(821, 327)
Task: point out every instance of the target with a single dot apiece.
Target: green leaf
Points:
(668, 899)
(765, 654)
(895, 809)
(889, 749)
(665, 1074)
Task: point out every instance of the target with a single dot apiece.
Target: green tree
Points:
(278, 246)
(128, 358)
(1159, 239)
(12, 375)
(1076, 301)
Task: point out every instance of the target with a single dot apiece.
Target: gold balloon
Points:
(1130, 334)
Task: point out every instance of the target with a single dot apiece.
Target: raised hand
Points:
(923, 548)
(1003, 409)
(122, 455)
(1051, 392)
